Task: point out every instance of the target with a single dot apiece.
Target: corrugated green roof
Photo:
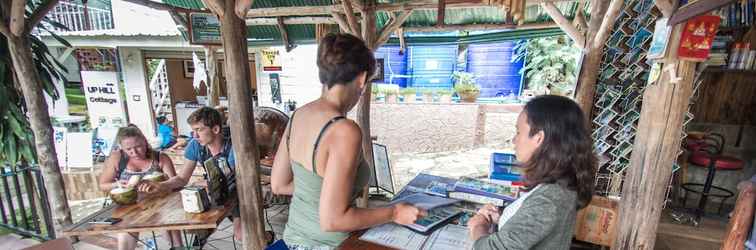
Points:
(265, 34)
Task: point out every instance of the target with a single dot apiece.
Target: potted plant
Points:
(390, 95)
(409, 94)
(374, 92)
(427, 94)
(444, 95)
(465, 86)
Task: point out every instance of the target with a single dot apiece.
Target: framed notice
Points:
(204, 28)
(382, 178)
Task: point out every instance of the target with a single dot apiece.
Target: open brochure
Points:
(449, 237)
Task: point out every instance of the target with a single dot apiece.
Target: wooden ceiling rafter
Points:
(564, 24)
(392, 26)
(284, 34)
(351, 17)
(215, 6)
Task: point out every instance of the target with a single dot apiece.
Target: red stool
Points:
(707, 152)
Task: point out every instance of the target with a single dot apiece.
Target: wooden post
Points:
(213, 90)
(242, 122)
(655, 150)
(586, 84)
(441, 13)
(363, 112)
(742, 217)
(17, 31)
(284, 34)
(351, 19)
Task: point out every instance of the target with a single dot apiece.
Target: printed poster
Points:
(697, 38)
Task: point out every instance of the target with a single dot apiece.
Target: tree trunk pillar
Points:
(29, 79)
(241, 120)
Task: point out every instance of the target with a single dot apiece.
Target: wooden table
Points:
(152, 213)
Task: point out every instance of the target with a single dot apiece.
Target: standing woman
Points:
(553, 145)
(320, 163)
(136, 158)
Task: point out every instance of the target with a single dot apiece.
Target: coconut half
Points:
(123, 195)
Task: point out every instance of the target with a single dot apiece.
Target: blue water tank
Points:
(494, 71)
(432, 66)
(394, 65)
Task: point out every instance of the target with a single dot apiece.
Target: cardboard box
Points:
(597, 223)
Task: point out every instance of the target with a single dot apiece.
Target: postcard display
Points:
(619, 91)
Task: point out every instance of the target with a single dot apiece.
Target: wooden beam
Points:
(579, 20)
(470, 27)
(160, 6)
(654, 151)
(179, 19)
(391, 27)
(216, 6)
(284, 35)
(242, 6)
(586, 85)
(350, 17)
(17, 20)
(667, 7)
(211, 62)
(564, 24)
(321, 30)
(742, 217)
(327, 9)
(292, 20)
(606, 25)
(402, 44)
(242, 122)
(696, 8)
(440, 13)
(341, 21)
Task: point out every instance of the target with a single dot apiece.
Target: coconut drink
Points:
(155, 177)
(124, 195)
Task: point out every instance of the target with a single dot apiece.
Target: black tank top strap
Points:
(317, 141)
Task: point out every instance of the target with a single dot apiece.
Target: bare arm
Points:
(107, 179)
(336, 211)
(174, 181)
(282, 178)
(185, 174)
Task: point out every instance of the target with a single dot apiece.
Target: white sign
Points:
(80, 156)
(103, 96)
(59, 135)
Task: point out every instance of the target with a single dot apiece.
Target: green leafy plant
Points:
(465, 83)
(550, 63)
(444, 92)
(407, 91)
(16, 139)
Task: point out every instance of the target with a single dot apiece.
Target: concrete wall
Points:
(137, 94)
(746, 151)
(436, 127)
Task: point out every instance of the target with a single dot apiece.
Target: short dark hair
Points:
(207, 116)
(566, 154)
(161, 119)
(341, 57)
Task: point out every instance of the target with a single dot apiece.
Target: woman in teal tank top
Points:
(321, 163)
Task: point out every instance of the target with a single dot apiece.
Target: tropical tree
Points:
(27, 71)
(550, 64)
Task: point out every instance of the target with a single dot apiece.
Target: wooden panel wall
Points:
(727, 98)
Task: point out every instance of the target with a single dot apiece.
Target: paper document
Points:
(395, 236)
(451, 237)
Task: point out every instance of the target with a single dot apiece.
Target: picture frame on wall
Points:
(188, 69)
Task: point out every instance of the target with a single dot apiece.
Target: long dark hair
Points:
(566, 154)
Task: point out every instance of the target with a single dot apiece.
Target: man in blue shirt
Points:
(165, 133)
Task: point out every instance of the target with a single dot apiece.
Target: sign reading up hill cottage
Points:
(104, 103)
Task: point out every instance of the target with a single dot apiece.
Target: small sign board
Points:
(697, 38)
(271, 60)
(204, 28)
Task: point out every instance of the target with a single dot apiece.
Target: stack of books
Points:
(719, 55)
